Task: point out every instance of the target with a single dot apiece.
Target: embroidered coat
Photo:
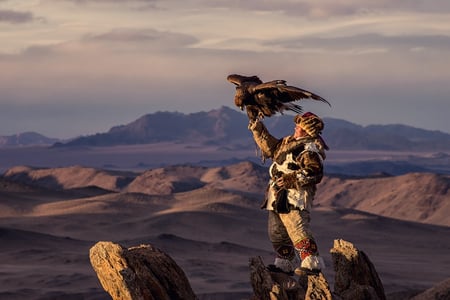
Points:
(298, 160)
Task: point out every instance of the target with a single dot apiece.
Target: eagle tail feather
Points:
(293, 107)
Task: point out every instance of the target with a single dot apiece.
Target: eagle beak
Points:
(234, 80)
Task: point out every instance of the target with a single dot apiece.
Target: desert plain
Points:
(201, 206)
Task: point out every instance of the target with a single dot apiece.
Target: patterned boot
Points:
(312, 263)
(285, 261)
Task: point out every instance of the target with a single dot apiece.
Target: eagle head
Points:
(238, 80)
(243, 84)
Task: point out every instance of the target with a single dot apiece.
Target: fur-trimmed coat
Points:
(299, 161)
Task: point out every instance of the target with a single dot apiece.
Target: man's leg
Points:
(286, 258)
(297, 226)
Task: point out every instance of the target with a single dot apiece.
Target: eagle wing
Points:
(267, 98)
(287, 93)
(275, 96)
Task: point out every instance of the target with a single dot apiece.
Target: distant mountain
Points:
(345, 135)
(219, 126)
(26, 139)
(228, 127)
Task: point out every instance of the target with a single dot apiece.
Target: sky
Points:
(79, 67)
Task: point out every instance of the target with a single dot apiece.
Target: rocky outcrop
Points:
(145, 272)
(279, 286)
(355, 275)
(355, 279)
(441, 291)
(142, 272)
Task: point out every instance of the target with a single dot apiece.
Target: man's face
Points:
(298, 131)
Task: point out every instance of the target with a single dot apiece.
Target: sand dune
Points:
(209, 221)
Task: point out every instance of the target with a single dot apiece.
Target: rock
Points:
(279, 286)
(355, 279)
(441, 291)
(142, 272)
(145, 272)
(355, 275)
(318, 288)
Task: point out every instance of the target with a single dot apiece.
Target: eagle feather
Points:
(264, 99)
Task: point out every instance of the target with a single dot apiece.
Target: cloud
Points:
(374, 66)
(139, 65)
(120, 41)
(137, 5)
(140, 57)
(361, 42)
(15, 17)
(110, 1)
(331, 8)
(140, 37)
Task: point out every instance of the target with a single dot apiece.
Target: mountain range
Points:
(26, 139)
(228, 127)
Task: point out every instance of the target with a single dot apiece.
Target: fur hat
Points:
(309, 122)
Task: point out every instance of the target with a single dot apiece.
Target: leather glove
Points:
(287, 181)
(255, 125)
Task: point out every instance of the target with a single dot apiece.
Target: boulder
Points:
(142, 272)
(440, 291)
(355, 275)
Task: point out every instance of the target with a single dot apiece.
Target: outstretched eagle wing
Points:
(275, 96)
(286, 93)
(267, 98)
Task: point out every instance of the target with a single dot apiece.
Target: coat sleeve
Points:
(265, 141)
(311, 167)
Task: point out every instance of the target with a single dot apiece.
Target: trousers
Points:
(290, 229)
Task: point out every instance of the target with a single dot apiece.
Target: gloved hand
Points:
(287, 181)
(255, 125)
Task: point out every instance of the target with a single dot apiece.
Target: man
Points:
(296, 169)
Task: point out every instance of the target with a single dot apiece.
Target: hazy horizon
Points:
(286, 115)
(78, 67)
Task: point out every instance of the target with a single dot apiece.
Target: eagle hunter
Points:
(264, 99)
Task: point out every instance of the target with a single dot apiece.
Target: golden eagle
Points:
(266, 99)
